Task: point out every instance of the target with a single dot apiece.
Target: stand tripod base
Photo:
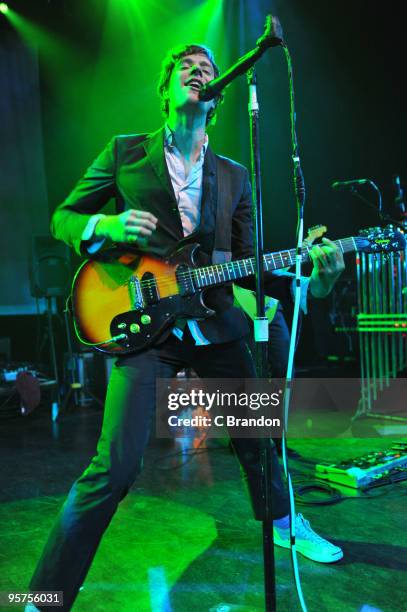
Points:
(81, 389)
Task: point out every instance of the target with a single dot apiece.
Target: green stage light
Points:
(3, 8)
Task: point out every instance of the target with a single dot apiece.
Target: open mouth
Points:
(194, 84)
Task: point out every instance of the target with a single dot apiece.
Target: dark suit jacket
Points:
(132, 169)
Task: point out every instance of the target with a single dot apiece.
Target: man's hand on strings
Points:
(328, 266)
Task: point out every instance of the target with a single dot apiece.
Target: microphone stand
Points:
(382, 215)
(271, 37)
(261, 333)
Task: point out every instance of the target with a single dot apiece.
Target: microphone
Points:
(399, 195)
(272, 37)
(344, 185)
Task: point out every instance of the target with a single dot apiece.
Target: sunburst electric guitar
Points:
(124, 301)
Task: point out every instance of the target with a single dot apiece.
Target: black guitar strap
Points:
(222, 249)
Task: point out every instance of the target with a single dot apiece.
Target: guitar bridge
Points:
(136, 294)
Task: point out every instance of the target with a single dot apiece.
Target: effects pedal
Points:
(367, 470)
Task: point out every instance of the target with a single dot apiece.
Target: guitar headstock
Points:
(314, 232)
(381, 240)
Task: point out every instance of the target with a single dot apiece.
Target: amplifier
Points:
(366, 470)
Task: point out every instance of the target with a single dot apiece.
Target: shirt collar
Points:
(169, 140)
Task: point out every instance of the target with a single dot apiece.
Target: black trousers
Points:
(128, 418)
(279, 345)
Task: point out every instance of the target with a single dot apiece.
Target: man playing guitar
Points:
(167, 190)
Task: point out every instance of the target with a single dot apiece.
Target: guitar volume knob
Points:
(145, 319)
(134, 328)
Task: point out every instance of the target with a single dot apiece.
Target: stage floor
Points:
(183, 539)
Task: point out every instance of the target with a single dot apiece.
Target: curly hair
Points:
(172, 57)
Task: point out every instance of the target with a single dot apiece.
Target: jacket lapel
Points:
(154, 148)
(169, 216)
(209, 192)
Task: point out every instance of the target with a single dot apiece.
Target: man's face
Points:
(190, 73)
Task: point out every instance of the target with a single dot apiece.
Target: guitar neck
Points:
(209, 276)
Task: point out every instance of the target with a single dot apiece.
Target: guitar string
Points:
(234, 265)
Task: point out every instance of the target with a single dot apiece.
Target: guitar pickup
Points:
(149, 289)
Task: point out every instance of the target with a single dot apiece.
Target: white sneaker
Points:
(308, 543)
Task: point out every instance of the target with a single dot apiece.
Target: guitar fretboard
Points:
(232, 270)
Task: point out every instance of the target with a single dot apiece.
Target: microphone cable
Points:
(299, 189)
